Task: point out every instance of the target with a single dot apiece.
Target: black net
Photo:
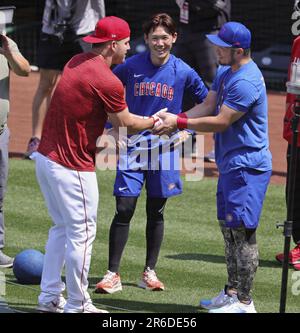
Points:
(269, 21)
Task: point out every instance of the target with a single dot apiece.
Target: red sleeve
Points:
(290, 98)
(113, 95)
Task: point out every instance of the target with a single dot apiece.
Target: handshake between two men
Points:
(165, 125)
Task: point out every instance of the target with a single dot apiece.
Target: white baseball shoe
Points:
(88, 307)
(5, 260)
(55, 306)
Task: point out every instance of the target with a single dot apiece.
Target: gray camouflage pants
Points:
(241, 255)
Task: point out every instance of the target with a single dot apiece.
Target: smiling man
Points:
(236, 110)
(154, 79)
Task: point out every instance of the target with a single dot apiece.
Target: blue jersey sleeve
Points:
(121, 72)
(108, 125)
(195, 87)
(219, 77)
(241, 95)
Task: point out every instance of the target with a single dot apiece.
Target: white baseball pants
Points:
(72, 200)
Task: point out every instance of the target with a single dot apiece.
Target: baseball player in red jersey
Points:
(294, 255)
(65, 162)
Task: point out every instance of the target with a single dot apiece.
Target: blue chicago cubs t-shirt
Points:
(150, 88)
(245, 143)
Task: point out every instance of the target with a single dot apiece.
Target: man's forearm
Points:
(207, 124)
(200, 110)
(139, 124)
(18, 64)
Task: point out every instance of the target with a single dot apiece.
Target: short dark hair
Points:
(161, 19)
(247, 52)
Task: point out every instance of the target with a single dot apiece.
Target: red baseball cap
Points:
(109, 28)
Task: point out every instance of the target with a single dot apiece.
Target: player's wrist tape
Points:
(182, 121)
(155, 120)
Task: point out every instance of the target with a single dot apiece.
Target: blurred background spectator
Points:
(64, 24)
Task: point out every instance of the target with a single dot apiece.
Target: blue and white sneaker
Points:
(235, 307)
(217, 302)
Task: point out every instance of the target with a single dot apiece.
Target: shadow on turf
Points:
(116, 305)
(22, 308)
(94, 280)
(218, 259)
(142, 307)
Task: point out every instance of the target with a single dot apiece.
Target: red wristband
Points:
(182, 121)
(155, 120)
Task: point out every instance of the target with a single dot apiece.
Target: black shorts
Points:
(54, 54)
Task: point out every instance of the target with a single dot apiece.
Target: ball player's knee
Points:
(125, 207)
(155, 209)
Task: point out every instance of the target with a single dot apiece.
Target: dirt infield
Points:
(23, 89)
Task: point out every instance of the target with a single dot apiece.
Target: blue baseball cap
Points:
(232, 34)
